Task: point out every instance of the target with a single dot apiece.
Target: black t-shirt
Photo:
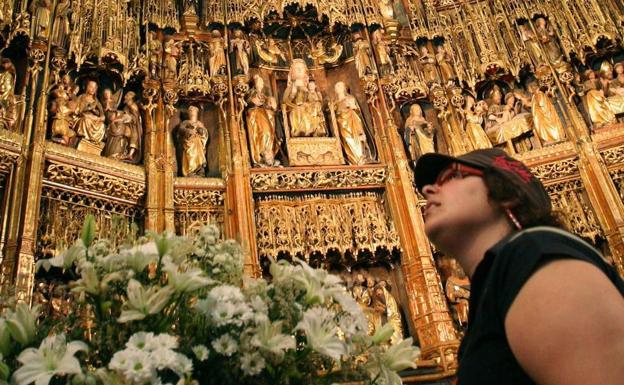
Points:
(485, 356)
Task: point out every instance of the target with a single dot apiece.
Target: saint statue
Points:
(419, 133)
(383, 52)
(117, 134)
(303, 117)
(351, 128)
(532, 45)
(217, 61)
(392, 312)
(362, 296)
(547, 37)
(615, 92)
(62, 118)
(261, 125)
(40, 11)
(135, 128)
(386, 9)
(240, 50)
(8, 113)
(192, 139)
(427, 64)
(444, 60)
(474, 115)
(61, 28)
(90, 124)
(595, 101)
(315, 98)
(546, 123)
(172, 53)
(361, 53)
(155, 55)
(505, 122)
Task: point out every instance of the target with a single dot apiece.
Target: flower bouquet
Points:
(163, 309)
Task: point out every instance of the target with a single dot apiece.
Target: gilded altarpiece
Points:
(293, 125)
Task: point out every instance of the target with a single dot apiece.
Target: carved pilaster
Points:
(151, 96)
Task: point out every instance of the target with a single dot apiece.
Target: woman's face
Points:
(457, 207)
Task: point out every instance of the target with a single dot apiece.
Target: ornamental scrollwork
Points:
(347, 224)
(95, 182)
(569, 200)
(326, 179)
(198, 198)
(613, 155)
(556, 170)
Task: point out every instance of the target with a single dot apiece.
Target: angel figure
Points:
(271, 54)
(320, 55)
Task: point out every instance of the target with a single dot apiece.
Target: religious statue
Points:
(8, 113)
(40, 11)
(135, 128)
(595, 101)
(505, 122)
(351, 128)
(386, 9)
(615, 93)
(547, 37)
(90, 124)
(362, 296)
(172, 53)
(117, 134)
(361, 53)
(383, 52)
(192, 139)
(392, 313)
(62, 118)
(261, 125)
(444, 60)
(217, 61)
(427, 64)
(272, 53)
(155, 50)
(319, 54)
(419, 133)
(532, 44)
(61, 29)
(240, 51)
(474, 116)
(315, 98)
(303, 117)
(546, 123)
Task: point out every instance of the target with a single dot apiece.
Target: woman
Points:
(545, 307)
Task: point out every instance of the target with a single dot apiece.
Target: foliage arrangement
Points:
(163, 309)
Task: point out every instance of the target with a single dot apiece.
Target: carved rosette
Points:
(324, 179)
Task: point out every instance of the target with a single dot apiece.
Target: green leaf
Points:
(88, 230)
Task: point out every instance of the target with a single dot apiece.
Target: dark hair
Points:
(501, 191)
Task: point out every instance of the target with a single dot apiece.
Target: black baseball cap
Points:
(491, 160)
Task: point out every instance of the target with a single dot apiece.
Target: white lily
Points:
(185, 281)
(139, 257)
(321, 333)
(65, 259)
(22, 323)
(142, 302)
(54, 357)
(268, 336)
(397, 357)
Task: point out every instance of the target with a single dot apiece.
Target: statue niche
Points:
(191, 140)
(307, 139)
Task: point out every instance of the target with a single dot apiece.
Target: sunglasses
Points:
(456, 171)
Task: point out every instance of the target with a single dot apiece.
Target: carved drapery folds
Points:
(347, 224)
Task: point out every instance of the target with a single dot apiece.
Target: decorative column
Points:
(151, 100)
(17, 270)
(427, 305)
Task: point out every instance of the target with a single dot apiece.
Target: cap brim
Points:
(429, 166)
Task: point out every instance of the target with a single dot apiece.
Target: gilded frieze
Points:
(94, 182)
(551, 171)
(321, 179)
